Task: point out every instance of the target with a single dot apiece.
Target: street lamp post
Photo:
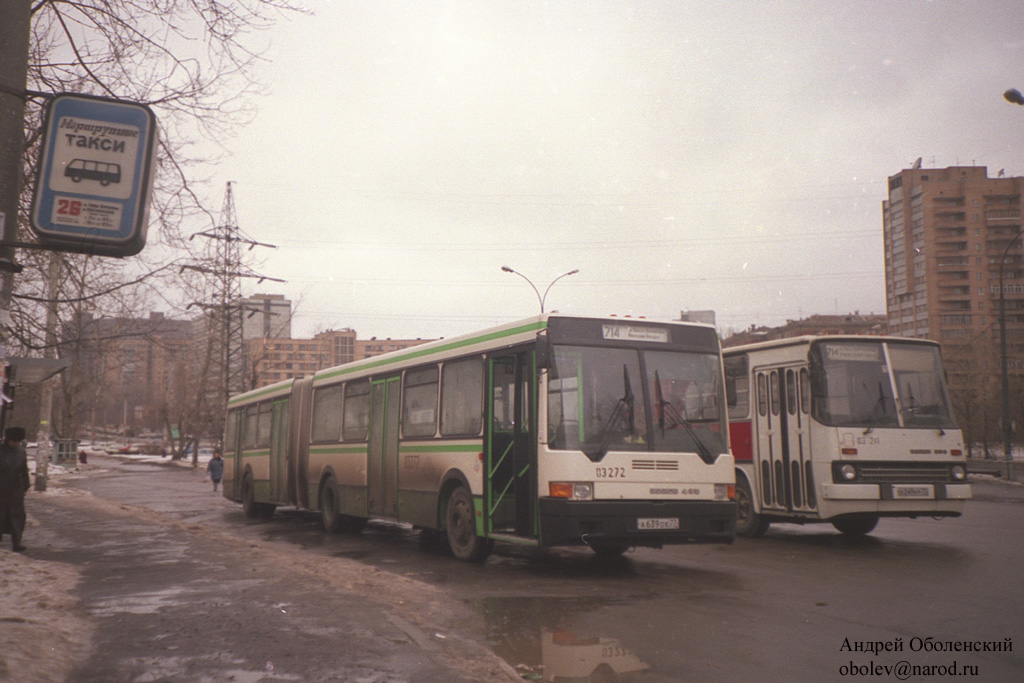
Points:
(540, 298)
(1007, 426)
(1012, 96)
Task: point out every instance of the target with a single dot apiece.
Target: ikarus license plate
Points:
(919, 491)
(656, 523)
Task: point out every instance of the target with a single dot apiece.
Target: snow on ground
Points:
(42, 636)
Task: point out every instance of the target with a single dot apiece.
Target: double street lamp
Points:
(540, 298)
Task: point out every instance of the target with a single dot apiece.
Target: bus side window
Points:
(791, 392)
(419, 402)
(263, 424)
(805, 391)
(462, 397)
(762, 395)
(326, 426)
(776, 399)
(249, 430)
(737, 387)
(231, 433)
(356, 420)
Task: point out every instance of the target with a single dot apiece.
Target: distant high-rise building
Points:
(266, 316)
(949, 236)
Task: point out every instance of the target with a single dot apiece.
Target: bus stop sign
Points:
(95, 177)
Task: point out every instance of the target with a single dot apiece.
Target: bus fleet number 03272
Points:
(610, 473)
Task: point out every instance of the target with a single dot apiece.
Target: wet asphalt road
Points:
(169, 601)
(780, 608)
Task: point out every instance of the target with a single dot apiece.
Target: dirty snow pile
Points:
(41, 636)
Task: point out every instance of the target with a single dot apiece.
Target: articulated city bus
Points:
(842, 429)
(557, 430)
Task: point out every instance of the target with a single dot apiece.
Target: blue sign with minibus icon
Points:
(95, 177)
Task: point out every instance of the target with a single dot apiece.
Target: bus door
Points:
(512, 472)
(279, 451)
(382, 450)
(783, 464)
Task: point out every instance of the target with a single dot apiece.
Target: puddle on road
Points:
(537, 638)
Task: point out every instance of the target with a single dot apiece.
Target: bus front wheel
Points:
(855, 525)
(748, 523)
(460, 524)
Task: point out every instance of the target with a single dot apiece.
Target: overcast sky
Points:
(682, 155)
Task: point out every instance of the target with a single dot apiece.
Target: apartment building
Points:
(273, 360)
(950, 253)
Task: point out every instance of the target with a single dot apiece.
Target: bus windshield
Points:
(602, 399)
(854, 385)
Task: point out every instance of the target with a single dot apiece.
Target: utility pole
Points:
(14, 40)
(226, 311)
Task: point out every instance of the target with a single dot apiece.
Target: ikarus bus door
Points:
(279, 451)
(382, 449)
(511, 471)
(784, 470)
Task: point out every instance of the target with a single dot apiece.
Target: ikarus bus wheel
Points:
(460, 524)
(748, 523)
(855, 525)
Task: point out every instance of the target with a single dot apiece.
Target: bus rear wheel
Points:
(334, 522)
(460, 525)
(855, 525)
(748, 523)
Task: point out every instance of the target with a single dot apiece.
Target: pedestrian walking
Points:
(14, 484)
(215, 468)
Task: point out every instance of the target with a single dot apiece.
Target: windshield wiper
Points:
(623, 410)
(880, 403)
(666, 407)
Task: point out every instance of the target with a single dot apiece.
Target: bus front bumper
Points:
(636, 522)
(901, 492)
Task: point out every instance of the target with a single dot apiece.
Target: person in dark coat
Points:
(215, 468)
(14, 484)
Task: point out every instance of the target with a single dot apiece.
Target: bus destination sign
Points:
(636, 333)
(92, 192)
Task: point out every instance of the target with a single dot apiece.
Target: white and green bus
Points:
(556, 430)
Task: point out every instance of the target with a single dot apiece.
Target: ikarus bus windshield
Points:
(625, 399)
(878, 385)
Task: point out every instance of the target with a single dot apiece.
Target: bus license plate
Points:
(657, 523)
(920, 491)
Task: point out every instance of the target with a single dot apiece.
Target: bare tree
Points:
(193, 62)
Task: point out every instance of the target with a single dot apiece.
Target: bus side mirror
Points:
(731, 398)
(543, 351)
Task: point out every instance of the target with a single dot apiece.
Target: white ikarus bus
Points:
(842, 429)
(556, 430)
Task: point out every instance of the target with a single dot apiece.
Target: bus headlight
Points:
(725, 492)
(959, 472)
(848, 472)
(573, 490)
